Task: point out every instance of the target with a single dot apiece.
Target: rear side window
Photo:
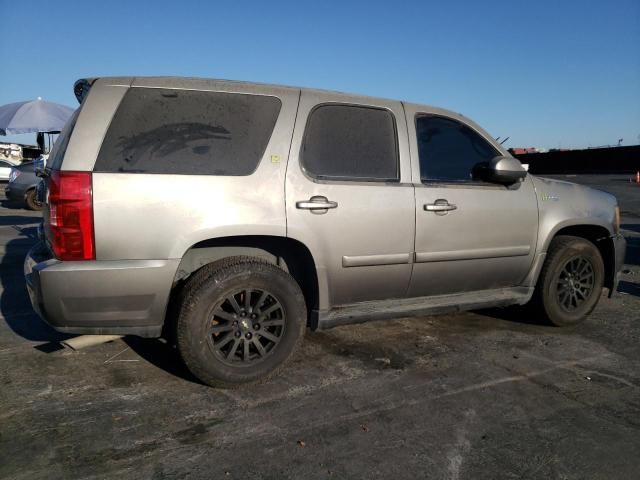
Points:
(62, 142)
(188, 132)
(346, 142)
(449, 150)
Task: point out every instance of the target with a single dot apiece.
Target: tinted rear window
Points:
(60, 145)
(188, 132)
(347, 142)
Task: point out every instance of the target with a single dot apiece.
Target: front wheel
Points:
(240, 320)
(571, 281)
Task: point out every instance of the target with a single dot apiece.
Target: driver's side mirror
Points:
(502, 170)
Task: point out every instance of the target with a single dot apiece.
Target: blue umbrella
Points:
(33, 116)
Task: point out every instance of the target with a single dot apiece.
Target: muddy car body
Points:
(241, 213)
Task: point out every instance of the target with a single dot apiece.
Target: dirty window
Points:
(449, 150)
(56, 156)
(346, 142)
(188, 132)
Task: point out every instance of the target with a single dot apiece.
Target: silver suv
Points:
(235, 215)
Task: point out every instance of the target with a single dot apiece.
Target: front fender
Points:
(564, 204)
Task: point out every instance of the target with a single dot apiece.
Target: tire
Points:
(571, 281)
(31, 200)
(212, 332)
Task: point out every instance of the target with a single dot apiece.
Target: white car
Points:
(5, 169)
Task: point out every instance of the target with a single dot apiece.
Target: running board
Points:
(417, 307)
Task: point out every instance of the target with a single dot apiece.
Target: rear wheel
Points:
(240, 321)
(31, 200)
(571, 281)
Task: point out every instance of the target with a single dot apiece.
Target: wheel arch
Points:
(601, 238)
(595, 233)
(289, 254)
(30, 188)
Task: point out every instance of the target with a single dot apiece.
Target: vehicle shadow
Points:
(8, 204)
(18, 220)
(632, 227)
(15, 306)
(515, 314)
(629, 288)
(162, 354)
(633, 251)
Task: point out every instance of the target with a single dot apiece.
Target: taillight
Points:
(70, 222)
(15, 173)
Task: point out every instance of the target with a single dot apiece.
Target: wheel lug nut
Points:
(237, 334)
(234, 324)
(248, 336)
(257, 326)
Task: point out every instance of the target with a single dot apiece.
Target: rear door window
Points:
(188, 132)
(349, 142)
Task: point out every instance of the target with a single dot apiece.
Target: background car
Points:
(5, 169)
(23, 183)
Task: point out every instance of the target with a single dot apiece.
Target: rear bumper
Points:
(14, 193)
(620, 249)
(124, 297)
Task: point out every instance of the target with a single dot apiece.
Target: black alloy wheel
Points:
(575, 283)
(246, 327)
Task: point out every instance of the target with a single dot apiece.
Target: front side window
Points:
(188, 132)
(347, 142)
(449, 151)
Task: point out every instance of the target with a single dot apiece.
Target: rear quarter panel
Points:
(155, 216)
(94, 119)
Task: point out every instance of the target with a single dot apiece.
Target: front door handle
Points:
(316, 203)
(440, 206)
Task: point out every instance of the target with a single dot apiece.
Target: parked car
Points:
(238, 214)
(5, 169)
(11, 152)
(23, 184)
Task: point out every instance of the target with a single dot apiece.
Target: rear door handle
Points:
(441, 206)
(316, 202)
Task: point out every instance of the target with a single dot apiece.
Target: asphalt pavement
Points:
(467, 396)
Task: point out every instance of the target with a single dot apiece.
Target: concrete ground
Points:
(473, 395)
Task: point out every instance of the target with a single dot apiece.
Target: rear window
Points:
(188, 132)
(60, 145)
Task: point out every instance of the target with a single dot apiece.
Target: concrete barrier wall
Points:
(593, 160)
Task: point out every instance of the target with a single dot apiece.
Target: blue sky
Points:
(546, 73)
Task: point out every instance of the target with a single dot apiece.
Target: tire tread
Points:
(188, 300)
(558, 247)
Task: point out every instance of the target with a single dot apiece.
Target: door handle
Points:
(440, 206)
(316, 202)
